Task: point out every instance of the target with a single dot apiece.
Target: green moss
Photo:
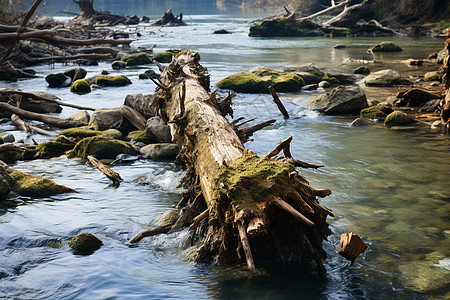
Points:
(33, 186)
(1, 140)
(258, 81)
(398, 118)
(83, 132)
(85, 243)
(100, 148)
(330, 79)
(55, 148)
(137, 59)
(386, 47)
(249, 179)
(376, 112)
(80, 86)
(105, 80)
(284, 27)
(144, 136)
(184, 52)
(166, 57)
(337, 32)
(433, 76)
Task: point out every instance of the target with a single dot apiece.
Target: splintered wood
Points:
(351, 246)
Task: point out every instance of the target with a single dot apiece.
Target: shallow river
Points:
(389, 186)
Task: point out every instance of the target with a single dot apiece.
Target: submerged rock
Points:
(340, 100)
(377, 112)
(398, 118)
(37, 187)
(100, 148)
(106, 80)
(361, 122)
(80, 87)
(385, 78)
(161, 151)
(137, 59)
(85, 243)
(259, 79)
(221, 31)
(385, 47)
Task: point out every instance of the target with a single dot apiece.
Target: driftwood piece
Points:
(325, 11)
(50, 120)
(415, 97)
(278, 102)
(246, 246)
(350, 15)
(169, 19)
(351, 246)
(151, 232)
(114, 176)
(133, 116)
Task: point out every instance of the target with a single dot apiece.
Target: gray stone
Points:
(221, 31)
(58, 80)
(340, 100)
(339, 46)
(159, 129)
(118, 64)
(362, 70)
(75, 74)
(310, 87)
(141, 103)
(163, 151)
(103, 119)
(398, 118)
(385, 78)
(361, 122)
(8, 138)
(324, 84)
(81, 116)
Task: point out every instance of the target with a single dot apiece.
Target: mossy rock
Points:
(385, 47)
(57, 80)
(106, 80)
(337, 32)
(37, 187)
(85, 243)
(1, 140)
(100, 148)
(285, 27)
(166, 57)
(433, 55)
(168, 218)
(378, 112)
(433, 76)
(55, 148)
(330, 79)
(144, 136)
(398, 118)
(258, 80)
(81, 132)
(137, 59)
(80, 86)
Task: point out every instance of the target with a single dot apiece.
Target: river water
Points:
(390, 186)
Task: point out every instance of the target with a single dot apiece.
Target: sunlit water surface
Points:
(390, 186)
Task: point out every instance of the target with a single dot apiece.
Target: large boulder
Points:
(85, 243)
(34, 186)
(340, 100)
(385, 47)
(100, 148)
(103, 119)
(159, 129)
(259, 79)
(161, 151)
(398, 118)
(385, 78)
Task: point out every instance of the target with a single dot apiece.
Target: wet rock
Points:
(100, 148)
(385, 78)
(103, 119)
(310, 87)
(87, 62)
(324, 84)
(308, 68)
(106, 80)
(145, 19)
(339, 46)
(55, 148)
(398, 118)
(433, 76)
(385, 47)
(75, 74)
(433, 55)
(104, 72)
(343, 79)
(58, 80)
(80, 87)
(341, 100)
(161, 151)
(361, 122)
(34, 186)
(143, 104)
(159, 129)
(79, 132)
(5, 183)
(80, 116)
(285, 27)
(414, 62)
(143, 136)
(430, 106)
(118, 64)
(8, 138)
(377, 112)
(149, 74)
(133, 20)
(166, 57)
(221, 31)
(259, 79)
(85, 243)
(167, 218)
(137, 59)
(362, 70)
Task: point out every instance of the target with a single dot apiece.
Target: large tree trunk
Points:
(257, 208)
(350, 15)
(86, 8)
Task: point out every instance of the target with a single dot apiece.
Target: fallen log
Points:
(133, 116)
(278, 102)
(325, 11)
(242, 222)
(38, 60)
(114, 176)
(50, 120)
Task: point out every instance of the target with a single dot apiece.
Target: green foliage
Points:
(443, 25)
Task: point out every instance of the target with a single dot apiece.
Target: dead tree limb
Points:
(278, 102)
(133, 116)
(114, 176)
(325, 11)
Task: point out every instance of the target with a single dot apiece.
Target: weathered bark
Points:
(169, 19)
(29, 128)
(86, 8)
(278, 102)
(445, 112)
(325, 11)
(133, 116)
(242, 219)
(114, 176)
(350, 15)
